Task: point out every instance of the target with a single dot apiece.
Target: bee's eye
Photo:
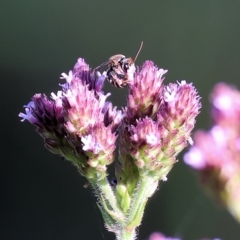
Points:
(125, 66)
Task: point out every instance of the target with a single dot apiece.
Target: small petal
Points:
(28, 114)
(68, 77)
(57, 98)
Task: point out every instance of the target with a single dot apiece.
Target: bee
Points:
(121, 69)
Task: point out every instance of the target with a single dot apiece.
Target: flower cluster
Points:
(77, 122)
(155, 126)
(216, 153)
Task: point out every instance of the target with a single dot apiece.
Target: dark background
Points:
(42, 197)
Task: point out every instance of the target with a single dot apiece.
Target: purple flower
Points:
(145, 92)
(157, 124)
(77, 122)
(223, 137)
(215, 154)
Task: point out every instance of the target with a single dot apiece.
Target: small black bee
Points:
(121, 69)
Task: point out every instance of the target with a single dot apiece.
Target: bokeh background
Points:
(41, 196)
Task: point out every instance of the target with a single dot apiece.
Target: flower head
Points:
(145, 92)
(77, 122)
(157, 124)
(215, 154)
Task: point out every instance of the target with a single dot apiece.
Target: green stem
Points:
(105, 193)
(126, 234)
(146, 187)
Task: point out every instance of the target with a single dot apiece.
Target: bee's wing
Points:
(102, 65)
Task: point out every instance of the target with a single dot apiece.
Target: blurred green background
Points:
(42, 197)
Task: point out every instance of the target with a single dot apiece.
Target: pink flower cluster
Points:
(216, 153)
(155, 126)
(79, 124)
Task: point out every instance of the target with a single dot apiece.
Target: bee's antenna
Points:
(138, 52)
(102, 65)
